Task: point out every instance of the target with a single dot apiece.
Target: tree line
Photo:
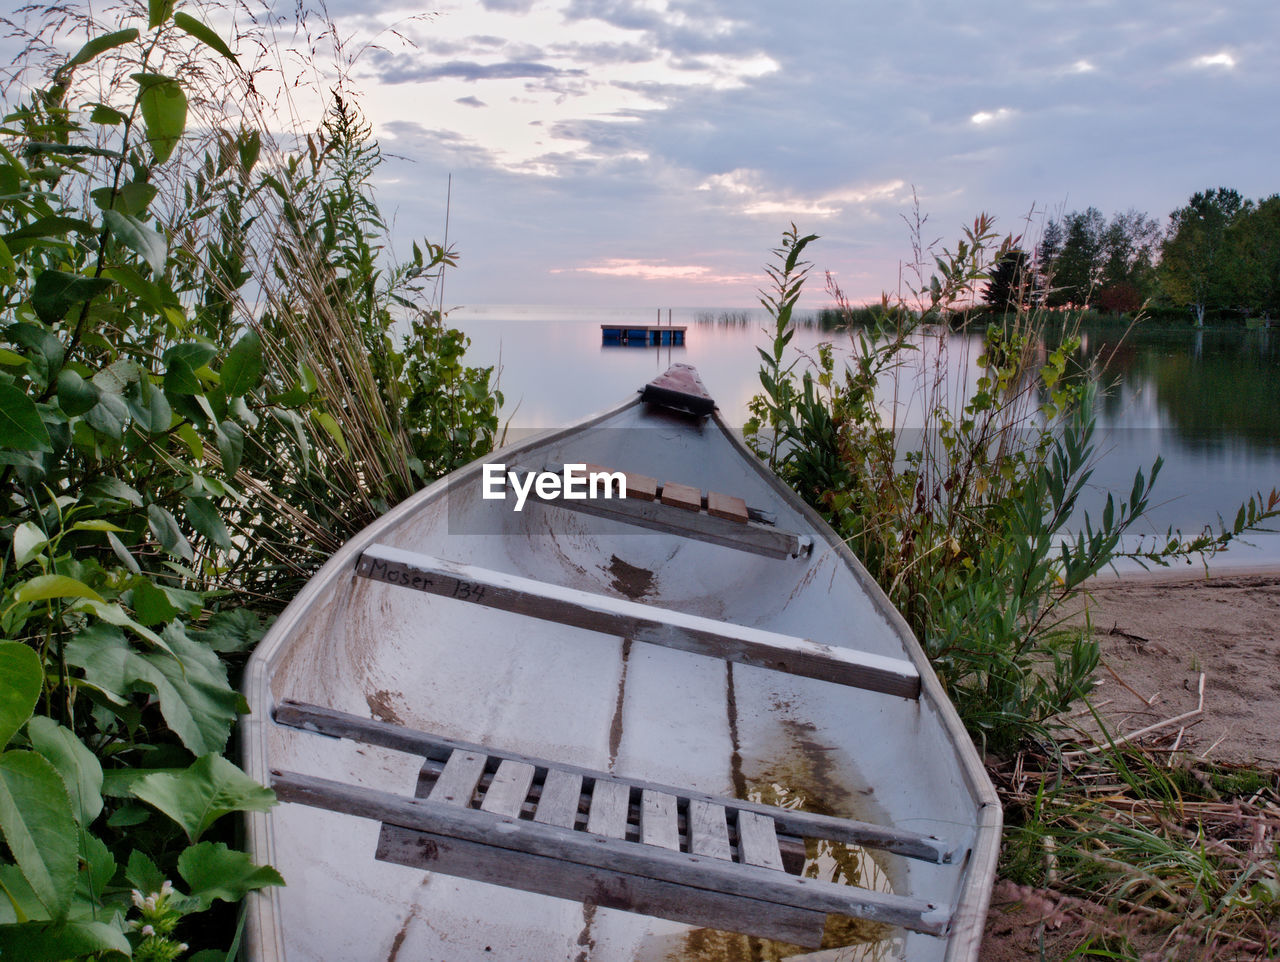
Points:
(1218, 256)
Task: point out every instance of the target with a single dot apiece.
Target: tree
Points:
(1078, 267)
(1196, 268)
(1011, 282)
(1047, 252)
(1254, 241)
(1127, 277)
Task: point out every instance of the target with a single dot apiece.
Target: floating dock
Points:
(642, 335)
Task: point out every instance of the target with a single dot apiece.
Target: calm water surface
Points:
(1208, 403)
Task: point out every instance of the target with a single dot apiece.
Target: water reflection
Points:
(1208, 402)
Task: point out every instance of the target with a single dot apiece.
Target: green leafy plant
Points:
(164, 441)
(958, 480)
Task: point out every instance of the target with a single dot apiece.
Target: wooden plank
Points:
(708, 830)
(638, 485)
(646, 623)
(338, 724)
(758, 841)
(649, 861)
(558, 804)
(600, 886)
(684, 496)
(610, 807)
(659, 820)
(727, 506)
(761, 538)
(457, 783)
(509, 788)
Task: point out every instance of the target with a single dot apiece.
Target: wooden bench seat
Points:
(575, 833)
(641, 622)
(676, 508)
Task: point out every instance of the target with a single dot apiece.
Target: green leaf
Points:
(99, 45)
(21, 427)
(150, 407)
(165, 528)
(158, 11)
(230, 446)
(107, 116)
(136, 235)
(35, 815)
(205, 518)
(143, 874)
(182, 361)
(117, 376)
(214, 871)
(75, 394)
(28, 539)
(196, 701)
(112, 489)
(243, 367)
(151, 605)
(47, 587)
(204, 34)
(56, 292)
(21, 678)
(8, 268)
(164, 109)
(108, 416)
(97, 869)
(79, 768)
(326, 421)
(50, 226)
(231, 631)
(198, 797)
(53, 942)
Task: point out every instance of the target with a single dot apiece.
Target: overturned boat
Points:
(614, 693)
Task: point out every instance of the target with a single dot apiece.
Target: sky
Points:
(631, 153)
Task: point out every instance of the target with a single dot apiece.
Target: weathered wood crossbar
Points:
(620, 844)
(338, 724)
(646, 623)
(710, 516)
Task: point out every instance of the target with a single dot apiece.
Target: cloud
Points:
(1221, 59)
(637, 269)
(405, 68)
(471, 102)
(745, 191)
(983, 117)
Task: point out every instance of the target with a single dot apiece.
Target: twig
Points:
(1125, 739)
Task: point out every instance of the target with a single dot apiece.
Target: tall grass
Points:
(958, 481)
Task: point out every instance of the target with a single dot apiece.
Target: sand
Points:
(1161, 632)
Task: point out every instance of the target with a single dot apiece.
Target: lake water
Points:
(1209, 403)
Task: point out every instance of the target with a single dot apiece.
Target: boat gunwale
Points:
(262, 922)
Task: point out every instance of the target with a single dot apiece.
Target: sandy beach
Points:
(1161, 632)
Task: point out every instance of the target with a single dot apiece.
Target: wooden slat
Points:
(338, 724)
(457, 783)
(638, 485)
(757, 537)
(727, 506)
(659, 820)
(615, 855)
(610, 806)
(684, 496)
(646, 623)
(558, 804)
(708, 830)
(509, 788)
(758, 841)
(603, 887)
